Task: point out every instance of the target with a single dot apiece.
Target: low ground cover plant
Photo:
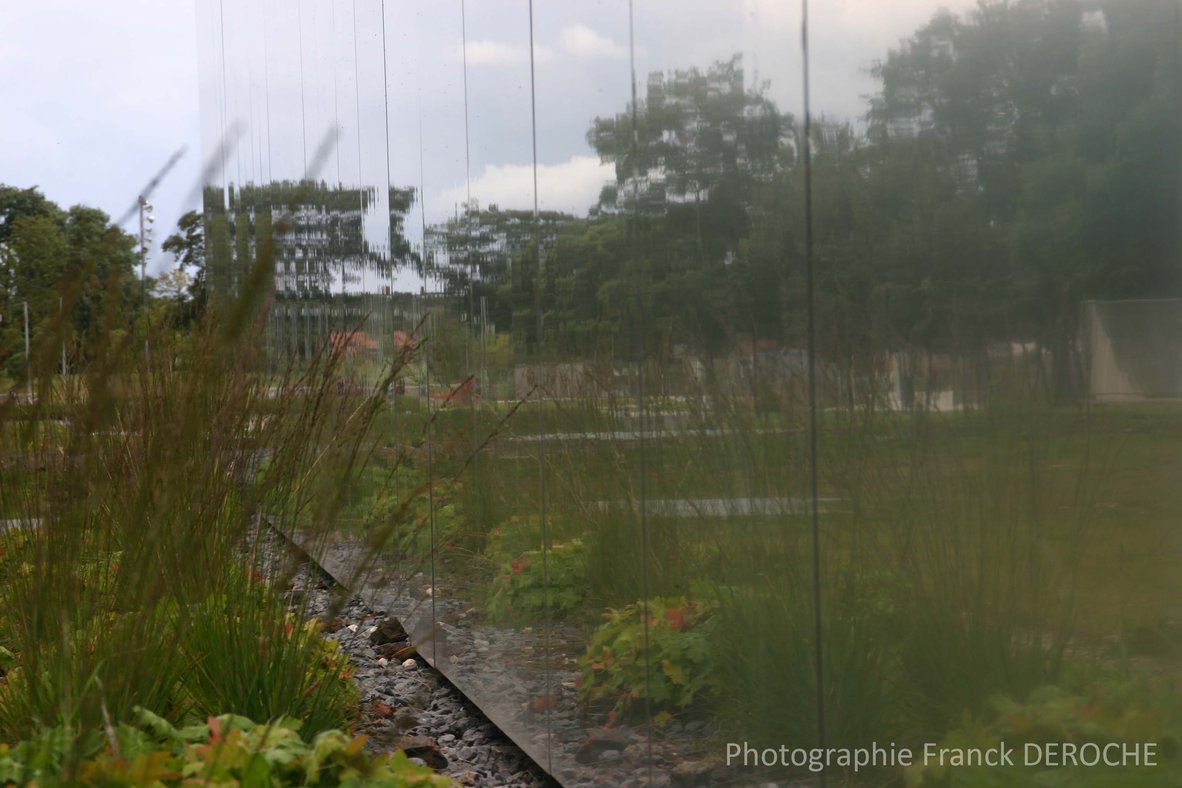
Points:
(665, 668)
(403, 507)
(227, 749)
(1094, 706)
(532, 583)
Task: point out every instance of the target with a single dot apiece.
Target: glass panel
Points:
(710, 388)
(717, 201)
(478, 229)
(990, 579)
(578, 341)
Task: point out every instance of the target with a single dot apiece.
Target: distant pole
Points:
(61, 306)
(146, 220)
(28, 359)
(143, 258)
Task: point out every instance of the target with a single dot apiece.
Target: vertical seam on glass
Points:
(429, 431)
(818, 653)
(360, 189)
(640, 396)
(303, 111)
(546, 617)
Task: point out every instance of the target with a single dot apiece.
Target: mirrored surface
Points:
(767, 405)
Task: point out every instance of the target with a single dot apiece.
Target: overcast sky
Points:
(95, 97)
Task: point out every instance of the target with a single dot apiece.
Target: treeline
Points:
(1014, 162)
(75, 271)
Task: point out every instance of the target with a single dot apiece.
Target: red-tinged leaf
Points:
(379, 709)
(675, 618)
(215, 729)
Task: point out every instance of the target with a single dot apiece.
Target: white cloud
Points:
(577, 41)
(583, 42)
(496, 53)
(572, 186)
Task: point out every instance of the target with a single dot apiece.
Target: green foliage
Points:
(1086, 709)
(146, 482)
(401, 506)
(776, 668)
(266, 664)
(228, 749)
(521, 591)
(673, 671)
(74, 269)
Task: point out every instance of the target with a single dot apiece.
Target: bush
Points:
(1094, 710)
(267, 664)
(399, 510)
(679, 655)
(520, 588)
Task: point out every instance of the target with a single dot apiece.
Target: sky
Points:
(95, 97)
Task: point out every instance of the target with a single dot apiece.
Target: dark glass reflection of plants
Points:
(678, 650)
(520, 589)
(1096, 706)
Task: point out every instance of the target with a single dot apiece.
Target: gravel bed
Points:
(405, 703)
(506, 672)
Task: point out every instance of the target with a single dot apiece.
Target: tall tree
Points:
(52, 260)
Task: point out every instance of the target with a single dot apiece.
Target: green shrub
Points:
(224, 750)
(520, 589)
(266, 664)
(400, 510)
(1094, 710)
(771, 676)
(679, 654)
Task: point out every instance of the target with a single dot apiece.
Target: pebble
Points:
(484, 756)
(518, 691)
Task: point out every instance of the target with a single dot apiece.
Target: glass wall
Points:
(783, 392)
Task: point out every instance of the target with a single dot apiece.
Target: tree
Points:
(702, 139)
(53, 260)
(1057, 121)
(187, 247)
(100, 275)
(488, 254)
(32, 261)
(687, 179)
(173, 285)
(16, 203)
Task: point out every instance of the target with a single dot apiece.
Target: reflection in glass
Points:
(586, 231)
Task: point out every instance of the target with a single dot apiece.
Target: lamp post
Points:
(147, 219)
